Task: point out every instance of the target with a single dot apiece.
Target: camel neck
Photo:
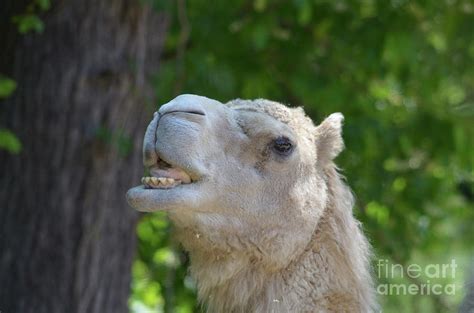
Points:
(329, 276)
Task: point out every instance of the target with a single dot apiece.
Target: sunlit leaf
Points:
(9, 141)
(44, 5)
(28, 23)
(7, 86)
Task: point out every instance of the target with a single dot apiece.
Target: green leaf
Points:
(28, 22)
(104, 134)
(44, 5)
(260, 5)
(260, 37)
(378, 212)
(124, 144)
(9, 141)
(7, 86)
(305, 13)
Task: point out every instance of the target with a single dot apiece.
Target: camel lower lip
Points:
(145, 199)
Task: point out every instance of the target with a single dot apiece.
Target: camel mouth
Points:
(164, 175)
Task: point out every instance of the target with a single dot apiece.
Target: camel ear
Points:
(329, 141)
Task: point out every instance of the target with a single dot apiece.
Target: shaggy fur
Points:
(265, 233)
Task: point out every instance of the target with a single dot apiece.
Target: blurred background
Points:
(80, 80)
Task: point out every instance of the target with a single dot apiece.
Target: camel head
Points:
(246, 177)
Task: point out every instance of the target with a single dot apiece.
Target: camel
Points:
(257, 201)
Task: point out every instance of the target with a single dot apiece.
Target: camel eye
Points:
(283, 146)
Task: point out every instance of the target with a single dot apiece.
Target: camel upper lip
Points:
(165, 164)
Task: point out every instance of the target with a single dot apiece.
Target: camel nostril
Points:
(196, 112)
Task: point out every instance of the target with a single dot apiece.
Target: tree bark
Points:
(67, 236)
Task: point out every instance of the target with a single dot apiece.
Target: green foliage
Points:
(7, 86)
(43, 5)
(9, 142)
(116, 139)
(30, 21)
(161, 282)
(400, 71)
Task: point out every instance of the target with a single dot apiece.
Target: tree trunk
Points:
(67, 236)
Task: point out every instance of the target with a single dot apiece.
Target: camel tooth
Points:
(157, 182)
(146, 181)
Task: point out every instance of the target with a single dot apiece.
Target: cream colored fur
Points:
(265, 233)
